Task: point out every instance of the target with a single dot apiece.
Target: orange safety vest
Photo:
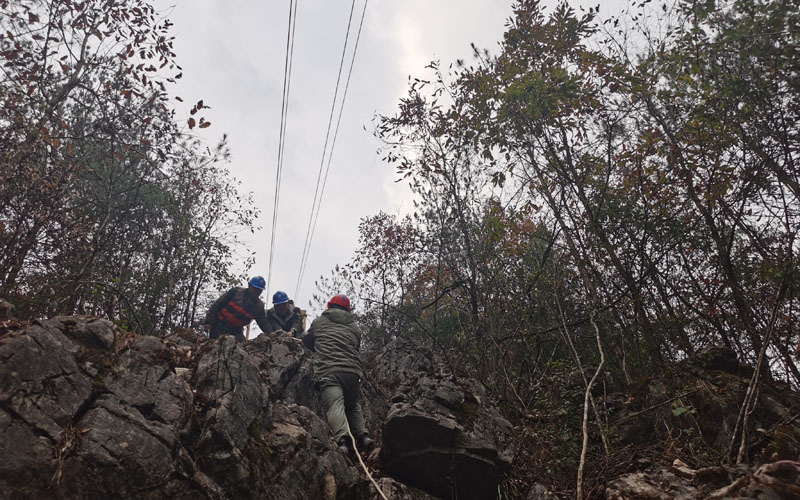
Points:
(235, 315)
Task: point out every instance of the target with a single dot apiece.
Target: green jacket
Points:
(293, 320)
(335, 340)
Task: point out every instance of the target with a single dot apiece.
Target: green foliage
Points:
(680, 410)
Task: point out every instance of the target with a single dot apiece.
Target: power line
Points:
(287, 79)
(324, 150)
(333, 144)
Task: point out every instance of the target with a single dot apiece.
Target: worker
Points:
(235, 309)
(283, 315)
(335, 339)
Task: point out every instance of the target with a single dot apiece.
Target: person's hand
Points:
(292, 332)
(207, 327)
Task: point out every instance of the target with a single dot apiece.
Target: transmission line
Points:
(312, 221)
(287, 79)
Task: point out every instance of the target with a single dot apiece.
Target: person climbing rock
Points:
(235, 309)
(335, 339)
(283, 315)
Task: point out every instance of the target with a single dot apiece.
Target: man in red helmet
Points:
(335, 340)
(235, 309)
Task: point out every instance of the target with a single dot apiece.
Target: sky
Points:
(232, 53)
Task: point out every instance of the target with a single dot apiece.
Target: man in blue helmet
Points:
(235, 309)
(283, 315)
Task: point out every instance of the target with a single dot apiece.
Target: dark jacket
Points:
(292, 320)
(235, 309)
(335, 340)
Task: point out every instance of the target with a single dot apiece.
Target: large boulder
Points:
(442, 434)
(43, 387)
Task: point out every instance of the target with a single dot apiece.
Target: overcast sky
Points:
(232, 53)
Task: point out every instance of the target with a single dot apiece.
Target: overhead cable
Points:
(333, 144)
(317, 194)
(287, 79)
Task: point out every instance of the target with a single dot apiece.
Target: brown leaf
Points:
(191, 123)
(205, 124)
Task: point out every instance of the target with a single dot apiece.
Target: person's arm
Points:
(308, 338)
(262, 321)
(216, 307)
(296, 326)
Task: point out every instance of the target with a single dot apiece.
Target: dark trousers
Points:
(218, 330)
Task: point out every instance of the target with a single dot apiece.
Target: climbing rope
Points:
(361, 461)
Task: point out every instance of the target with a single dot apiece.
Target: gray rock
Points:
(6, 310)
(90, 411)
(395, 490)
(774, 481)
(441, 435)
(280, 358)
(88, 331)
(540, 492)
(41, 383)
(233, 402)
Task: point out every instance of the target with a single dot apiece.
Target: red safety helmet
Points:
(340, 300)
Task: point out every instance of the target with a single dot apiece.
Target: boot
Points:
(365, 443)
(345, 446)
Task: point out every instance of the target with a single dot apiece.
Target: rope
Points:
(361, 461)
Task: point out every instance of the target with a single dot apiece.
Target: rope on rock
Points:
(361, 461)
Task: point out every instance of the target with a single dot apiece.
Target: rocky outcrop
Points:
(694, 407)
(441, 433)
(705, 393)
(90, 411)
(774, 481)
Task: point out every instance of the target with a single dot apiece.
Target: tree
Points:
(640, 172)
(107, 204)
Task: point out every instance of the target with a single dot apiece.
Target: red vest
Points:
(235, 315)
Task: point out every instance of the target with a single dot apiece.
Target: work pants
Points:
(218, 330)
(340, 393)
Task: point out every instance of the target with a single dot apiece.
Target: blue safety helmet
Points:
(280, 298)
(257, 282)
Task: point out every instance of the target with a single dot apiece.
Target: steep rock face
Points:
(441, 434)
(90, 411)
